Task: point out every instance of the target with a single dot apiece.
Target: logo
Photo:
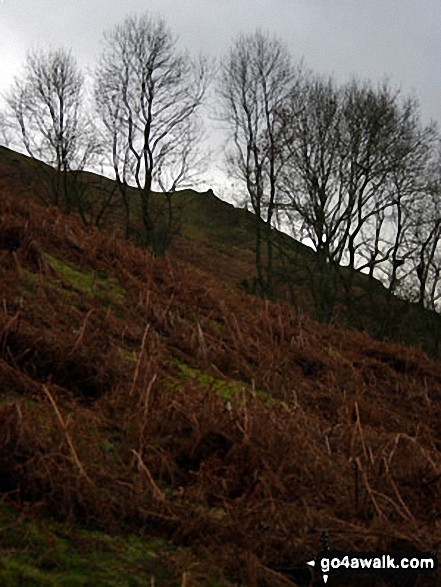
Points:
(384, 564)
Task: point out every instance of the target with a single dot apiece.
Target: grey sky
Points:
(370, 39)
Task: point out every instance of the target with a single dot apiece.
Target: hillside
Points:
(159, 426)
(213, 235)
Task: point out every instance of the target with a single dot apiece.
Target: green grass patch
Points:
(45, 553)
(11, 396)
(95, 283)
(337, 356)
(127, 355)
(29, 282)
(235, 391)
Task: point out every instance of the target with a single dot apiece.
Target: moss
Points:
(10, 396)
(95, 283)
(29, 281)
(334, 354)
(45, 553)
(229, 391)
(126, 355)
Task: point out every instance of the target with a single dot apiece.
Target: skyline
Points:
(333, 37)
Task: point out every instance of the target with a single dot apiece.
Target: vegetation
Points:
(49, 111)
(44, 552)
(349, 168)
(214, 234)
(187, 432)
(162, 424)
(147, 95)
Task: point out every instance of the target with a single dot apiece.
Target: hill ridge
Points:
(214, 235)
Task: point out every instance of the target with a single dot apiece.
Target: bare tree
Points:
(113, 133)
(178, 168)
(388, 152)
(355, 158)
(425, 239)
(147, 92)
(46, 103)
(408, 192)
(342, 148)
(6, 131)
(256, 79)
(314, 202)
(180, 164)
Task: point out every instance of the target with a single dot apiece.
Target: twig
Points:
(201, 340)
(138, 362)
(157, 493)
(82, 331)
(360, 429)
(397, 493)
(369, 489)
(67, 435)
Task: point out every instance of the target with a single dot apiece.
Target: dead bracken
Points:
(142, 393)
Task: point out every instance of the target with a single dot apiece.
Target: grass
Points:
(127, 355)
(43, 552)
(122, 460)
(29, 282)
(232, 391)
(46, 553)
(216, 236)
(334, 354)
(94, 283)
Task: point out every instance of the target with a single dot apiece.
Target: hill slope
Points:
(212, 235)
(212, 434)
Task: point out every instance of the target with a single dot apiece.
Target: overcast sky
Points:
(400, 39)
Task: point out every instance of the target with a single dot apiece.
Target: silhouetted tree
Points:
(425, 240)
(180, 168)
(256, 79)
(355, 157)
(46, 103)
(147, 92)
(314, 202)
(6, 131)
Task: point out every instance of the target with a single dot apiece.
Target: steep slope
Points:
(212, 235)
(148, 399)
